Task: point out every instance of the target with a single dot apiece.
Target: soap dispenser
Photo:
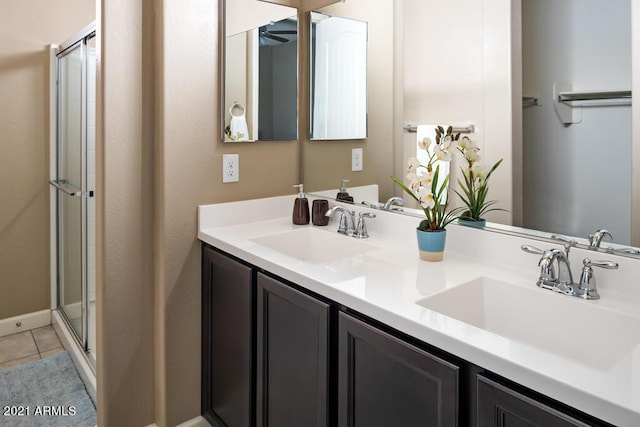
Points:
(342, 195)
(301, 208)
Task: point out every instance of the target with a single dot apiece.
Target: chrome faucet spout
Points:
(399, 201)
(564, 268)
(347, 220)
(596, 238)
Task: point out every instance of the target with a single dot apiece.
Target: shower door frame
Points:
(80, 40)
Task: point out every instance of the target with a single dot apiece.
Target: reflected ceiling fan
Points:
(281, 32)
(275, 34)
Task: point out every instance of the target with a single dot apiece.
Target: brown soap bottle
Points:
(300, 208)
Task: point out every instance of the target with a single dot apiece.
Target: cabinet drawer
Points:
(501, 406)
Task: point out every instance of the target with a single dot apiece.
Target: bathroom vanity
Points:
(302, 326)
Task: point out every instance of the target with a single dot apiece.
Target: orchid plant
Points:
(424, 183)
(475, 182)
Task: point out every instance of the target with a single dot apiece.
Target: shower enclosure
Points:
(72, 183)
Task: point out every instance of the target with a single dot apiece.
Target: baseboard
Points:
(193, 422)
(25, 322)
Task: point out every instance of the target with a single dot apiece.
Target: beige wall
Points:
(124, 214)
(28, 27)
(159, 157)
(325, 163)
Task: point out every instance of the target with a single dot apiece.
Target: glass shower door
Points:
(71, 194)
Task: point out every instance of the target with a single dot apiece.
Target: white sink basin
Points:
(562, 325)
(314, 246)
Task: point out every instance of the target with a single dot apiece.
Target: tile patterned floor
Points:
(28, 346)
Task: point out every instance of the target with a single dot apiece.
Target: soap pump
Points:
(300, 208)
(342, 195)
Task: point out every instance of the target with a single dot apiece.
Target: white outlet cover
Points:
(356, 159)
(230, 168)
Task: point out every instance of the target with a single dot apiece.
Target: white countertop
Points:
(386, 282)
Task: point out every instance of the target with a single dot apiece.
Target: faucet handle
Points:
(624, 251)
(609, 265)
(587, 288)
(548, 278)
(361, 229)
(532, 250)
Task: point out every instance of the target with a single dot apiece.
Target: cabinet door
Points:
(292, 357)
(227, 337)
(384, 381)
(501, 406)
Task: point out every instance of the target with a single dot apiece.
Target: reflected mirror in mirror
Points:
(338, 77)
(568, 179)
(260, 72)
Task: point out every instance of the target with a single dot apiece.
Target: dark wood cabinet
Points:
(384, 381)
(277, 355)
(292, 356)
(227, 340)
(502, 406)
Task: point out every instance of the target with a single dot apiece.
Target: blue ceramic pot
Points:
(469, 223)
(431, 244)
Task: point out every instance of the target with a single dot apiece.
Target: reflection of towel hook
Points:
(236, 104)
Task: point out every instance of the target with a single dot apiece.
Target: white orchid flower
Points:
(426, 180)
(467, 144)
(449, 143)
(441, 153)
(424, 143)
(479, 172)
(426, 199)
(413, 164)
(414, 180)
(472, 155)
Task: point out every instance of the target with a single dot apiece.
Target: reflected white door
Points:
(340, 79)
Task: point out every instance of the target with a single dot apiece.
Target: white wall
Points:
(577, 178)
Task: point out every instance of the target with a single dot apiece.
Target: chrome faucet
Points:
(564, 279)
(555, 272)
(347, 220)
(596, 238)
(398, 201)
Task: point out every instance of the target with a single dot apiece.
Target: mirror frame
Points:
(222, 52)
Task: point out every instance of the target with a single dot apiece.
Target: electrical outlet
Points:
(230, 168)
(356, 159)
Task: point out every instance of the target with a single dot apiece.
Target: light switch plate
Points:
(230, 168)
(356, 159)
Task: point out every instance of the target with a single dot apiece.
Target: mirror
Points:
(338, 77)
(260, 72)
(485, 86)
